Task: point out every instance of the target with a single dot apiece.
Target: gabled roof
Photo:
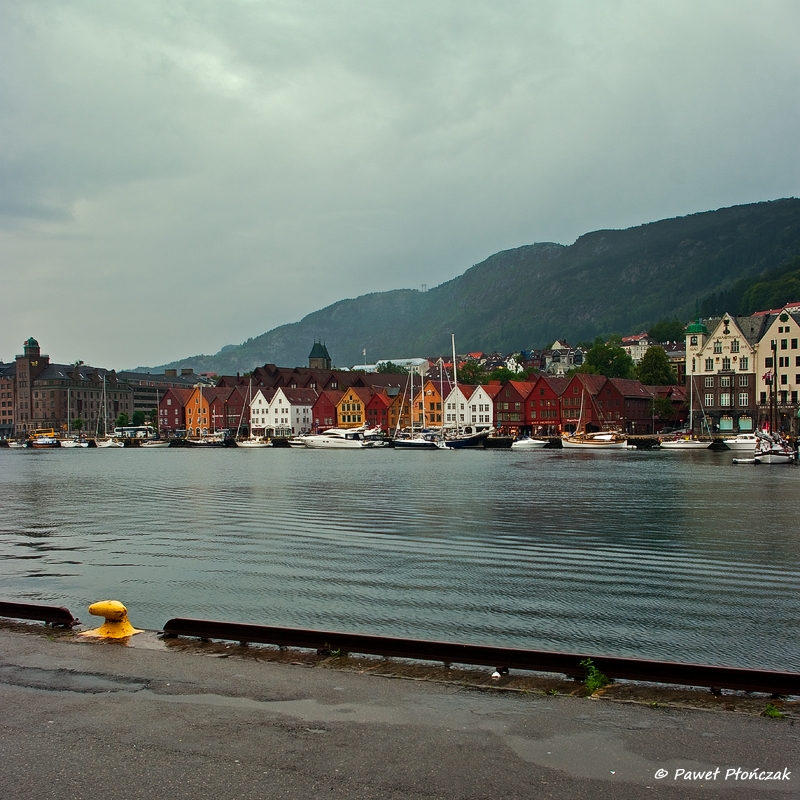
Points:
(331, 395)
(181, 395)
(300, 397)
(523, 388)
(557, 383)
(380, 399)
(631, 388)
(492, 388)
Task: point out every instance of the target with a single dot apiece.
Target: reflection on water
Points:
(666, 555)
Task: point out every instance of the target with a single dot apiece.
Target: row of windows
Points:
(726, 381)
(726, 399)
(710, 364)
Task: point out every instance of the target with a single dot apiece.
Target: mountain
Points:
(608, 281)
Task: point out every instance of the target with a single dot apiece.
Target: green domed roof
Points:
(31, 342)
(697, 327)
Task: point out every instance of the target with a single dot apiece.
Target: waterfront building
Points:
(778, 366)
(721, 366)
(628, 406)
(456, 405)
(172, 412)
(544, 405)
(511, 410)
(351, 410)
(148, 388)
(323, 412)
(229, 410)
(259, 411)
(198, 412)
(63, 396)
(480, 405)
(290, 412)
(579, 406)
(7, 403)
(378, 409)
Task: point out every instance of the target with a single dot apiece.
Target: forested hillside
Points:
(611, 281)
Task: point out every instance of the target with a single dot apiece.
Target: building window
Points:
(709, 400)
(717, 346)
(744, 380)
(726, 363)
(784, 380)
(725, 399)
(725, 380)
(709, 365)
(762, 398)
(784, 344)
(744, 362)
(768, 362)
(709, 383)
(735, 346)
(743, 399)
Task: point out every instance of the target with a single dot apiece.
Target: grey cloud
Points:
(240, 164)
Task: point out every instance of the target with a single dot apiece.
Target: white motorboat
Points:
(148, 443)
(108, 443)
(337, 438)
(744, 441)
(684, 443)
(773, 449)
(601, 440)
(72, 442)
(526, 443)
(253, 443)
(420, 441)
(16, 444)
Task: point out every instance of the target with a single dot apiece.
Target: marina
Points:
(628, 553)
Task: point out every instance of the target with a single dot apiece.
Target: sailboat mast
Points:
(455, 382)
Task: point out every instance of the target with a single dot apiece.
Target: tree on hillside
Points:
(667, 330)
(472, 373)
(609, 359)
(390, 368)
(654, 369)
(138, 418)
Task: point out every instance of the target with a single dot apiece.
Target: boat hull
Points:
(685, 444)
(528, 444)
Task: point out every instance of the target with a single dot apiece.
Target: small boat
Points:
(684, 443)
(254, 443)
(602, 440)
(44, 442)
(527, 443)
(148, 443)
(16, 444)
(108, 443)
(773, 449)
(426, 440)
(73, 442)
(744, 441)
(467, 440)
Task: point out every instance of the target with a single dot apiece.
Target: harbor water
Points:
(674, 556)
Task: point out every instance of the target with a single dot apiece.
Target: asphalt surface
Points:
(97, 720)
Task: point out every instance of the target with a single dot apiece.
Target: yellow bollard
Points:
(116, 626)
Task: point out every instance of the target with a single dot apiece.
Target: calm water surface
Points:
(679, 556)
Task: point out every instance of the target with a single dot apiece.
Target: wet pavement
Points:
(88, 720)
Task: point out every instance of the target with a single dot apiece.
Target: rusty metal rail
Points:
(502, 658)
(55, 615)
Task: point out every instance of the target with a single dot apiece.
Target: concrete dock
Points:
(89, 720)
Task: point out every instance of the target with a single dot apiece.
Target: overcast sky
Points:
(177, 176)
